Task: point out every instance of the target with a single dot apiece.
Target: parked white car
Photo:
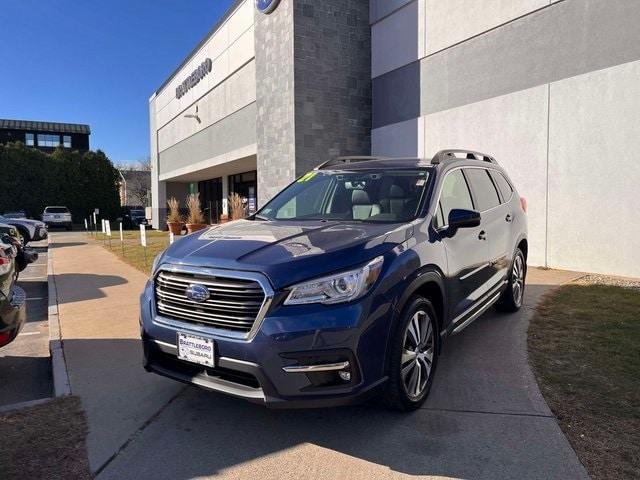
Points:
(57, 217)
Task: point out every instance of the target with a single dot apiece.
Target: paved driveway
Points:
(485, 418)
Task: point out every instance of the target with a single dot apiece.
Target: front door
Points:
(487, 199)
(467, 250)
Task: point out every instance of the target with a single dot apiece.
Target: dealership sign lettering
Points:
(195, 77)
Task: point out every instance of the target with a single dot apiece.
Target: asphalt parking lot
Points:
(25, 367)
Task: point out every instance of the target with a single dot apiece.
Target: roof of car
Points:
(366, 163)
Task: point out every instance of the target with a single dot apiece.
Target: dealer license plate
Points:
(196, 349)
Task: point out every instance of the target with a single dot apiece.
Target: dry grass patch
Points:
(130, 249)
(584, 344)
(45, 442)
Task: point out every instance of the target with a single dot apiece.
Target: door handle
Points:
(482, 235)
(508, 217)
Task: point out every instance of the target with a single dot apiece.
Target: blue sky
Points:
(96, 62)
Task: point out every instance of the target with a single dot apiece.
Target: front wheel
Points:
(414, 356)
(511, 298)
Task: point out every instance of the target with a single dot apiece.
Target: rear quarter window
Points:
(483, 188)
(503, 185)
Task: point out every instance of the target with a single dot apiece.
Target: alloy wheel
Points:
(418, 349)
(517, 280)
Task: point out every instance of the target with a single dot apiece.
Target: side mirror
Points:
(461, 218)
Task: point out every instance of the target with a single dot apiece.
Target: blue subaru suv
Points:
(343, 286)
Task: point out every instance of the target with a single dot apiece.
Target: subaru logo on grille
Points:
(197, 293)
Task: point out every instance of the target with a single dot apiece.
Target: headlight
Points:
(341, 287)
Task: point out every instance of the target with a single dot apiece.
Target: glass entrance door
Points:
(211, 199)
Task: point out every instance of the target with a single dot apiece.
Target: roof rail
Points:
(444, 155)
(346, 161)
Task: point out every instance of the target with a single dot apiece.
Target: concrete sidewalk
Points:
(485, 417)
(98, 311)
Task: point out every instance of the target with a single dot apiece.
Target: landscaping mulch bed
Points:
(47, 441)
(584, 345)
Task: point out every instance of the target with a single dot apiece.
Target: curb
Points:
(61, 384)
(19, 406)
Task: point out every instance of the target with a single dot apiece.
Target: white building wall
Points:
(513, 128)
(569, 143)
(594, 172)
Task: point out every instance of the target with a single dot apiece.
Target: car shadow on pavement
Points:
(67, 244)
(77, 287)
(485, 419)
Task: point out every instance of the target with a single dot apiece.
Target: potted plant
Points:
(174, 219)
(195, 220)
(236, 206)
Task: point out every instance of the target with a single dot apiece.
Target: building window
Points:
(66, 141)
(29, 139)
(45, 140)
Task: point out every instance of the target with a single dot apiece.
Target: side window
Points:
(454, 194)
(503, 185)
(483, 188)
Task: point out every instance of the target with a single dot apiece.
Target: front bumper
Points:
(13, 315)
(40, 233)
(259, 369)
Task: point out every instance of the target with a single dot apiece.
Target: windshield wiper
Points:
(260, 217)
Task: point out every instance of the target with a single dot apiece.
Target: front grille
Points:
(233, 304)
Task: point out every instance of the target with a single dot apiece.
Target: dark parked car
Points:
(28, 230)
(17, 214)
(138, 218)
(12, 297)
(344, 285)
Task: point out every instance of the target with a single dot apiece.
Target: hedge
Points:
(30, 180)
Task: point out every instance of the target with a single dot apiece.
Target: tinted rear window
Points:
(56, 210)
(483, 188)
(503, 185)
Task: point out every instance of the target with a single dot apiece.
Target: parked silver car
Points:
(57, 217)
(28, 230)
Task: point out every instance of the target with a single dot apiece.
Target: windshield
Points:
(366, 195)
(56, 210)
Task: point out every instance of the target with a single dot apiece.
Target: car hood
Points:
(286, 252)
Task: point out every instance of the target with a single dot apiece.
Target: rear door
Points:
(487, 198)
(467, 250)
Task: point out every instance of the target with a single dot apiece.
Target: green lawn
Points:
(130, 249)
(584, 344)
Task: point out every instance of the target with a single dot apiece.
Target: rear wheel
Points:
(414, 355)
(511, 298)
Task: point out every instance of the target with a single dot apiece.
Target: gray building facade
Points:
(551, 88)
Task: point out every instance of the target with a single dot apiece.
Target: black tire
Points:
(512, 298)
(403, 368)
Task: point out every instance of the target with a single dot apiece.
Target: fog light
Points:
(345, 375)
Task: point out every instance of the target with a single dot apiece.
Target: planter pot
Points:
(175, 227)
(194, 227)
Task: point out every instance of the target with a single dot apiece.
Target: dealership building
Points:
(550, 88)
